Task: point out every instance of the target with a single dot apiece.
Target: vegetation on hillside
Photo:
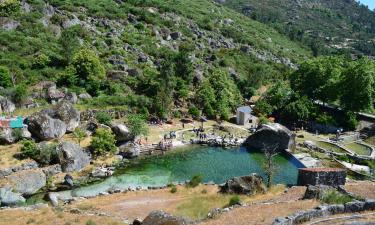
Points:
(333, 26)
(150, 56)
(333, 80)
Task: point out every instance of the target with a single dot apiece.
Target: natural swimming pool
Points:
(214, 164)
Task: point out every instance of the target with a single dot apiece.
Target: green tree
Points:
(278, 95)
(318, 78)
(5, 77)
(103, 142)
(20, 93)
(89, 70)
(263, 107)
(358, 86)
(301, 109)
(137, 125)
(219, 95)
(79, 134)
(9, 7)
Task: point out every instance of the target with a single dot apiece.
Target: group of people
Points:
(200, 133)
(165, 145)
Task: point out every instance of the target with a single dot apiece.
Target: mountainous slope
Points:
(325, 26)
(38, 40)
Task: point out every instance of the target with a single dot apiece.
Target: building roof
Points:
(244, 109)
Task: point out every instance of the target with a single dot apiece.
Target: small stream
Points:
(215, 164)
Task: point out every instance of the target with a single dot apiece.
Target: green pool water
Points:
(214, 164)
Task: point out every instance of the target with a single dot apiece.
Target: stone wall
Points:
(321, 176)
(326, 210)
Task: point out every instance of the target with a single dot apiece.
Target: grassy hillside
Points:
(39, 38)
(325, 26)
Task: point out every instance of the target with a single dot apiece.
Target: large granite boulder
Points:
(122, 133)
(129, 150)
(317, 192)
(72, 157)
(65, 112)
(6, 106)
(8, 198)
(9, 136)
(247, 185)
(271, 135)
(43, 127)
(6, 136)
(27, 182)
(162, 218)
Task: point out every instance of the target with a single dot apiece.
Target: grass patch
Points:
(234, 200)
(335, 197)
(359, 149)
(199, 206)
(195, 181)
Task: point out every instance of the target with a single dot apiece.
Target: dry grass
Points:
(364, 189)
(48, 216)
(7, 158)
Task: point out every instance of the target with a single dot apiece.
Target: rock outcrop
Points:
(270, 136)
(129, 150)
(9, 136)
(247, 185)
(68, 114)
(27, 182)
(317, 192)
(53, 123)
(44, 128)
(162, 218)
(6, 106)
(121, 132)
(72, 157)
(9, 198)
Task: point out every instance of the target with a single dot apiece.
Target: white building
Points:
(244, 116)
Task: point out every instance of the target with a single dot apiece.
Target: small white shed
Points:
(244, 115)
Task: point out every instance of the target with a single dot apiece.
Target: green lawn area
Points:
(358, 148)
(330, 147)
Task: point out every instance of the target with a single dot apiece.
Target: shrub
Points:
(103, 142)
(79, 134)
(5, 77)
(335, 197)
(194, 111)
(137, 125)
(103, 118)
(17, 134)
(195, 180)
(29, 149)
(173, 189)
(43, 154)
(90, 222)
(20, 93)
(235, 200)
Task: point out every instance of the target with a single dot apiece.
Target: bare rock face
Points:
(162, 218)
(68, 114)
(121, 132)
(54, 123)
(6, 106)
(44, 127)
(317, 192)
(72, 157)
(27, 182)
(9, 198)
(9, 136)
(271, 135)
(247, 185)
